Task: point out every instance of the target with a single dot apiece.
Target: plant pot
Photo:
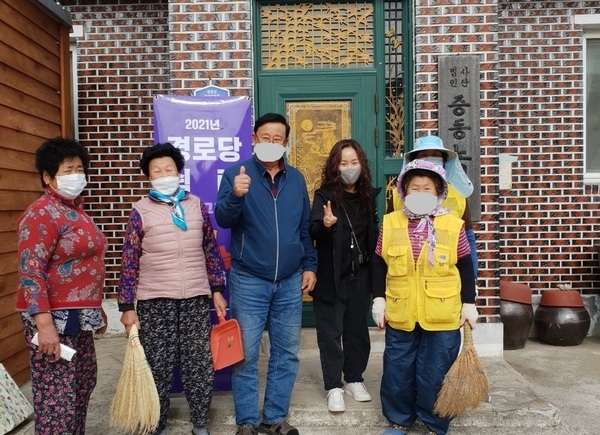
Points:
(561, 318)
(516, 313)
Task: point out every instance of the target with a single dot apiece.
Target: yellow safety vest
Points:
(454, 202)
(419, 292)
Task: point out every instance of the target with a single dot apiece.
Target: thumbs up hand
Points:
(241, 183)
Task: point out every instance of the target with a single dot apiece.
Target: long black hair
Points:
(332, 180)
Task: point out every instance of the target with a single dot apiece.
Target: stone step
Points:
(513, 403)
(515, 407)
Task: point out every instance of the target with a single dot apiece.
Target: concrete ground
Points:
(540, 389)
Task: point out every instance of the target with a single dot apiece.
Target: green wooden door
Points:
(322, 109)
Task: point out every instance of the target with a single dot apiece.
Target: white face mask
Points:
(421, 203)
(166, 185)
(70, 186)
(350, 175)
(269, 152)
(435, 160)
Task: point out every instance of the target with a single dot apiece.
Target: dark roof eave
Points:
(55, 9)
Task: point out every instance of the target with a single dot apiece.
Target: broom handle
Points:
(468, 336)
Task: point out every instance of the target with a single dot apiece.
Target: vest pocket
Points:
(441, 300)
(441, 260)
(397, 260)
(397, 292)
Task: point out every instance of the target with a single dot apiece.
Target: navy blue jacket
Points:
(269, 235)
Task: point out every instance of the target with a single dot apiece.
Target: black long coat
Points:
(329, 244)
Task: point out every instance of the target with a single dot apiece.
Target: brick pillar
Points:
(210, 43)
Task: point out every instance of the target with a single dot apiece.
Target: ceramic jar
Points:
(561, 318)
(516, 313)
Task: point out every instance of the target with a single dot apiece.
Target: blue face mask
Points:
(435, 160)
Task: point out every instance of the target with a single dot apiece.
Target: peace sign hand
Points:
(329, 219)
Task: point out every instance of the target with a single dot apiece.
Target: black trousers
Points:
(176, 332)
(343, 333)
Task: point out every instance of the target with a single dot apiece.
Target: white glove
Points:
(469, 314)
(378, 312)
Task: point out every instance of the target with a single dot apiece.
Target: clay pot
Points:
(561, 318)
(516, 313)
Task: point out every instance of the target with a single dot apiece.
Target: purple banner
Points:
(212, 133)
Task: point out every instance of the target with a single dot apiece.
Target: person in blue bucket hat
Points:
(423, 292)
(431, 148)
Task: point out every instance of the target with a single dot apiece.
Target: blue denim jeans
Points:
(256, 303)
(414, 366)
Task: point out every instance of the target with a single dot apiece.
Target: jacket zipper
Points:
(181, 271)
(276, 238)
(281, 184)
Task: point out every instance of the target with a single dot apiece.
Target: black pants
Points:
(343, 333)
(176, 332)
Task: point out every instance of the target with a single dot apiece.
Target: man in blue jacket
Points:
(273, 262)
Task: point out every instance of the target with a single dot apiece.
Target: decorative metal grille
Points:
(317, 35)
(394, 92)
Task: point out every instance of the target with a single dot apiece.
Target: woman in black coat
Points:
(344, 225)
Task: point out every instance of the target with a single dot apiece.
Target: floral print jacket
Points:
(61, 256)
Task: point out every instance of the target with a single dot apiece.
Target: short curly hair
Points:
(161, 150)
(53, 152)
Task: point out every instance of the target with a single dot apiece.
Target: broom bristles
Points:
(465, 385)
(136, 406)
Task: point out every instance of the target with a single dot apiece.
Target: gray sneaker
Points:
(246, 429)
(281, 428)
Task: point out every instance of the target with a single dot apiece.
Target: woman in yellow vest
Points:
(431, 148)
(424, 288)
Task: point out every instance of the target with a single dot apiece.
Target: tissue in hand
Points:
(65, 351)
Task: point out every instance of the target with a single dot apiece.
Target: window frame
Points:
(591, 30)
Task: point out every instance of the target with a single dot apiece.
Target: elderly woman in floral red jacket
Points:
(61, 278)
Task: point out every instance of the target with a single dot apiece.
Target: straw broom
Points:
(136, 406)
(465, 385)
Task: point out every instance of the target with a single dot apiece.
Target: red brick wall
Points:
(541, 231)
(123, 60)
(211, 41)
(549, 219)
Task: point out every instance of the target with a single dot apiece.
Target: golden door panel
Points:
(316, 127)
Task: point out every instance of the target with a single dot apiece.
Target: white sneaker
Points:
(335, 400)
(358, 392)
